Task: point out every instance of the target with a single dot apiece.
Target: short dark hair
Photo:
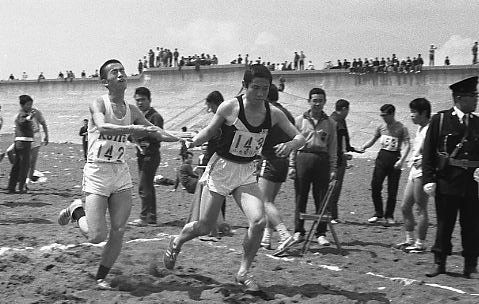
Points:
(256, 71)
(316, 91)
(388, 108)
(143, 92)
(103, 73)
(24, 99)
(215, 97)
(85, 120)
(421, 105)
(273, 93)
(342, 104)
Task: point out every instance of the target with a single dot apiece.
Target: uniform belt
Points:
(464, 163)
(23, 138)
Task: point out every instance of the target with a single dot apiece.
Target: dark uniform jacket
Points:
(451, 179)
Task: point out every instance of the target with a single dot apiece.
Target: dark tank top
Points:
(241, 142)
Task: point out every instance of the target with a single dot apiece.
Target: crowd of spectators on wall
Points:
(164, 57)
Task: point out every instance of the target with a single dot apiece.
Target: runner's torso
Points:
(108, 148)
(241, 142)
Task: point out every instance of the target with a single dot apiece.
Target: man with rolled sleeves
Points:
(450, 158)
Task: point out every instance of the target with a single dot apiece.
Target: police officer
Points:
(450, 157)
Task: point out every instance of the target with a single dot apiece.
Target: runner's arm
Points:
(154, 131)
(284, 149)
(224, 110)
(97, 111)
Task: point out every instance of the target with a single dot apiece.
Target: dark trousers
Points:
(85, 149)
(20, 167)
(311, 169)
(383, 168)
(340, 171)
(147, 165)
(447, 207)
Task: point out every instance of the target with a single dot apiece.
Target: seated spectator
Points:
(60, 75)
(11, 77)
(186, 176)
(41, 76)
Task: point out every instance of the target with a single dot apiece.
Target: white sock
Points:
(420, 243)
(283, 232)
(409, 236)
(267, 235)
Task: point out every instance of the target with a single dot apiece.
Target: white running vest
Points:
(108, 148)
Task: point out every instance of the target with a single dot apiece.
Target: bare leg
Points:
(210, 207)
(249, 198)
(270, 190)
(119, 206)
(421, 199)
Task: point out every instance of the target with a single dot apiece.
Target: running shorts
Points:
(106, 178)
(274, 170)
(223, 176)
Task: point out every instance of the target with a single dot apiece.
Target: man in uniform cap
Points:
(450, 158)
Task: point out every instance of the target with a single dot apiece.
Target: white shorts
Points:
(106, 178)
(223, 176)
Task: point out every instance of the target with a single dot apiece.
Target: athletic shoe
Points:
(65, 215)
(335, 221)
(298, 237)
(390, 221)
(415, 248)
(138, 223)
(103, 285)
(403, 245)
(170, 255)
(323, 241)
(247, 282)
(285, 245)
(374, 219)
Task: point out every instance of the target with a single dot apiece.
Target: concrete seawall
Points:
(179, 95)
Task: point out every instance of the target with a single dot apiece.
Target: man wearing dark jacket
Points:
(450, 159)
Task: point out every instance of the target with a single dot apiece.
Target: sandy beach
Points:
(42, 262)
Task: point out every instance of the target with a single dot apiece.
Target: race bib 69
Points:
(389, 143)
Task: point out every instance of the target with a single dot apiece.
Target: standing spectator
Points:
(157, 64)
(414, 195)
(23, 144)
(145, 62)
(151, 58)
(37, 120)
(246, 62)
(239, 60)
(84, 137)
(447, 61)
(140, 66)
(176, 54)
(148, 158)
(301, 60)
(450, 170)
(24, 76)
(420, 63)
(339, 116)
(432, 50)
(296, 60)
(474, 53)
(83, 74)
(314, 163)
(392, 136)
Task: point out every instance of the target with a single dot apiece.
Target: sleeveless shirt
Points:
(241, 142)
(108, 148)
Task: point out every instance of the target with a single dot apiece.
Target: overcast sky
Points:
(53, 36)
